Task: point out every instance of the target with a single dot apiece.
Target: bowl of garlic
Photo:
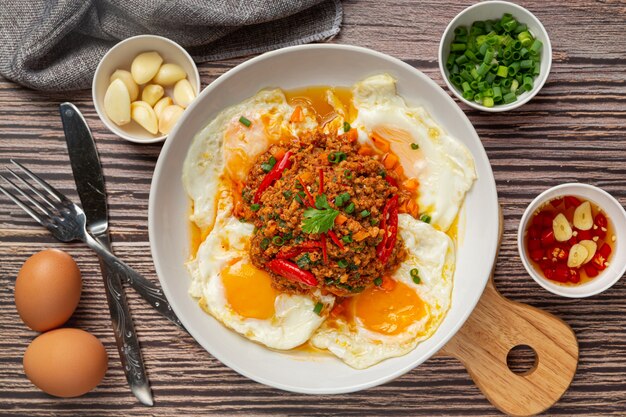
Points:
(142, 86)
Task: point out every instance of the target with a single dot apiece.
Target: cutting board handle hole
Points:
(522, 359)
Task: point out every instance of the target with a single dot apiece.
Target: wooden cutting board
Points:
(498, 325)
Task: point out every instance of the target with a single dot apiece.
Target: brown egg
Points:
(65, 362)
(47, 289)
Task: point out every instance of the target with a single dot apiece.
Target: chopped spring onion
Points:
(347, 238)
(255, 207)
(342, 263)
(378, 281)
(287, 194)
(245, 121)
(348, 174)
(494, 53)
(364, 213)
(350, 208)
(267, 167)
(415, 275)
(318, 308)
(425, 218)
(346, 126)
(265, 243)
(278, 241)
(336, 157)
(415, 146)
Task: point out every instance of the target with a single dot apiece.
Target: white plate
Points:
(338, 65)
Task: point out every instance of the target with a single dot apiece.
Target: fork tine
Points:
(26, 196)
(22, 205)
(33, 189)
(50, 189)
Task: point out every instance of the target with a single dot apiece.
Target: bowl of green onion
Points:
(495, 56)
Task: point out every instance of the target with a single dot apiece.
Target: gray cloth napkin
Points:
(56, 45)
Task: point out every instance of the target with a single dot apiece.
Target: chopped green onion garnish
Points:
(425, 218)
(415, 275)
(347, 238)
(348, 174)
(342, 263)
(365, 213)
(346, 126)
(350, 208)
(278, 241)
(255, 207)
(336, 157)
(415, 146)
(318, 308)
(267, 167)
(265, 243)
(245, 121)
(374, 222)
(378, 281)
(493, 53)
(287, 194)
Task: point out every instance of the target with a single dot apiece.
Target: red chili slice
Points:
(391, 181)
(273, 175)
(389, 224)
(547, 237)
(591, 271)
(308, 246)
(557, 202)
(583, 235)
(561, 273)
(534, 244)
(538, 219)
(571, 201)
(534, 232)
(601, 220)
(536, 255)
(291, 271)
(574, 276)
(333, 236)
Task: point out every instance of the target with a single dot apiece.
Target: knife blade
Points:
(90, 185)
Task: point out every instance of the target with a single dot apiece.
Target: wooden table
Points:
(574, 130)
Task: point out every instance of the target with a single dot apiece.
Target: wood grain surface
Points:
(574, 130)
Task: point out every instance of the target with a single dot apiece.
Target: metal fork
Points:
(64, 219)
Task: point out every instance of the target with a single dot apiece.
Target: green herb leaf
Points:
(318, 221)
(321, 202)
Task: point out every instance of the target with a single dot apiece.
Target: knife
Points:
(90, 185)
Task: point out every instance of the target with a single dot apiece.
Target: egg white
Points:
(442, 164)
(432, 253)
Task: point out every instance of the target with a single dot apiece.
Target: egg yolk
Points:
(249, 291)
(389, 312)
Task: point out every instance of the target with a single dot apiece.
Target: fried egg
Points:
(443, 165)
(231, 289)
(381, 324)
(226, 148)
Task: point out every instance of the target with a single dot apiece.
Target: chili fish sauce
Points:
(570, 240)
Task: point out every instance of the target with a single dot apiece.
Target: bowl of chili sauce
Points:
(572, 240)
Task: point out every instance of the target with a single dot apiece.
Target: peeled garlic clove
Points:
(152, 93)
(183, 93)
(583, 219)
(591, 247)
(143, 114)
(169, 117)
(117, 103)
(145, 66)
(127, 79)
(161, 104)
(561, 228)
(168, 74)
(577, 255)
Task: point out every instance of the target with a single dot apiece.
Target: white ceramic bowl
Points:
(488, 10)
(615, 213)
(168, 213)
(120, 57)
